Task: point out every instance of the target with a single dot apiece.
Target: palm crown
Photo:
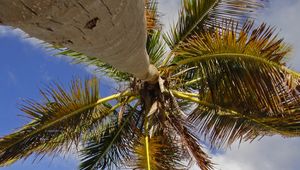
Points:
(222, 80)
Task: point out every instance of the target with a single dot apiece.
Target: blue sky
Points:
(25, 67)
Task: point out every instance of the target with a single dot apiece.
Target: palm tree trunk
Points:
(111, 30)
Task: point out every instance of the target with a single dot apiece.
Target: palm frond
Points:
(163, 154)
(145, 151)
(98, 67)
(237, 10)
(244, 73)
(260, 42)
(221, 129)
(191, 143)
(199, 15)
(192, 13)
(151, 14)
(57, 122)
(222, 125)
(112, 147)
(155, 47)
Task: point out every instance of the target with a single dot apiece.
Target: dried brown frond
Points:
(191, 143)
(151, 15)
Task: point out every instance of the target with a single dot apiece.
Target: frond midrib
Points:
(147, 144)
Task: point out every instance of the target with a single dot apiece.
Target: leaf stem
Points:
(147, 152)
(146, 123)
(188, 82)
(191, 97)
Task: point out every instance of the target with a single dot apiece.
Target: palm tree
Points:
(223, 80)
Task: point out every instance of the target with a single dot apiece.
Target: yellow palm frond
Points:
(163, 153)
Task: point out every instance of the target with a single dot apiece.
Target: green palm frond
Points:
(199, 15)
(57, 122)
(112, 146)
(97, 65)
(155, 47)
(193, 13)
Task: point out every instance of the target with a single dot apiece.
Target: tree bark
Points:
(111, 30)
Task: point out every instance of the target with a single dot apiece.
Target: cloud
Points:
(12, 77)
(16, 32)
(3, 30)
(168, 11)
(270, 153)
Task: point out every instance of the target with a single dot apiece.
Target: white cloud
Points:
(3, 30)
(12, 77)
(16, 32)
(168, 11)
(270, 153)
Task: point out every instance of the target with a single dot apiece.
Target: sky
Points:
(26, 66)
